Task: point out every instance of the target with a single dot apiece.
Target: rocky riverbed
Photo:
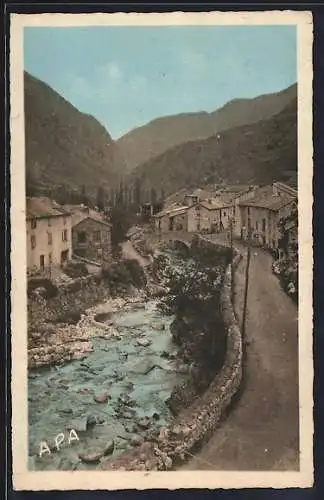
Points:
(112, 394)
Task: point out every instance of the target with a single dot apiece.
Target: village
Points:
(266, 216)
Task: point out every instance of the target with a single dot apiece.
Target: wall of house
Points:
(97, 248)
(226, 214)
(49, 241)
(180, 222)
(263, 225)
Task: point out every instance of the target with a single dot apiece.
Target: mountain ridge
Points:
(250, 154)
(63, 145)
(162, 133)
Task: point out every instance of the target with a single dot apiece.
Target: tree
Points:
(101, 197)
(138, 193)
(120, 225)
(120, 196)
(153, 196)
(84, 196)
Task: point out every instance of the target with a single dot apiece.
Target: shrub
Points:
(124, 273)
(76, 270)
(50, 290)
(71, 317)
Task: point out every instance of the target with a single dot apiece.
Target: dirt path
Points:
(129, 252)
(261, 432)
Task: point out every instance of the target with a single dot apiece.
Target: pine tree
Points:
(84, 198)
(101, 196)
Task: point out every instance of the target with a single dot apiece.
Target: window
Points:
(82, 237)
(224, 213)
(50, 259)
(49, 222)
(263, 225)
(64, 235)
(257, 225)
(50, 238)
(248, 210)
(96, 235)
(33, 223)
(33, 241)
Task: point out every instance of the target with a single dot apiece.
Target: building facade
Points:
(91, 239)
(48, 230)
(263, 216)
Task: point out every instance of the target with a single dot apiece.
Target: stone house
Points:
(212, 215)
(262, 215)
(91, 234)
(171, 219)
(48, 229)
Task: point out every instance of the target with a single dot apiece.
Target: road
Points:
(261, 431)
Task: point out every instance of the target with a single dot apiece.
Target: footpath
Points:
(262, 430)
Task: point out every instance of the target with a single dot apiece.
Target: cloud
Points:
(138, 83)
(110, 71)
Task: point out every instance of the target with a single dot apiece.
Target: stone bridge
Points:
(156, 239)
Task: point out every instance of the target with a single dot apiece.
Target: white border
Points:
(88, 480)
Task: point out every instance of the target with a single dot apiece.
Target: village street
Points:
(261, 431)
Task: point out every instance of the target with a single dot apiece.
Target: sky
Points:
(126, 76)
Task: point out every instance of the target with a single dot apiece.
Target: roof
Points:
(274, 202)
(42, 207)
(95, 219)
(214, 204)
(80, 213)
(172, 211)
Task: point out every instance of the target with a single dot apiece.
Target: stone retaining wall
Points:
(76, 296)
(197, 422)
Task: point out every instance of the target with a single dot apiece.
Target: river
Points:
(135, 378)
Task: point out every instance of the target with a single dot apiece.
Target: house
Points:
(48, 227)
(212, 215)
(262, 214)
(91, 234)
(171, 219)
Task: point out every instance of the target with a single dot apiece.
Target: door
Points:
(42, 262)
(64, 257)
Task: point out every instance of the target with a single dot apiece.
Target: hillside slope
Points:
(156, 137)
(63, 145)
(250, 154)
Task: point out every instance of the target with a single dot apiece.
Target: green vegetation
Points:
(121, 275)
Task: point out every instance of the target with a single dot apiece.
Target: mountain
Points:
(258, 153)
(65, 147)
(156, 137)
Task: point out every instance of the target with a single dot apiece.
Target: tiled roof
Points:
(215, 204)
(43, 207)
(95, 219)
(79, 213)
(173, 211)
(273, 202)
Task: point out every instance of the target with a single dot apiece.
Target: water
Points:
(63, 397)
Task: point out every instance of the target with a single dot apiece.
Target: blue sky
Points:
(127, 76)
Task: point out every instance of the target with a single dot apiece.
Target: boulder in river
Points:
(92, 457)
(136, 440)
(79, 424)
(109, 448)
(144, 423)
(101, 398)
(144, 342)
